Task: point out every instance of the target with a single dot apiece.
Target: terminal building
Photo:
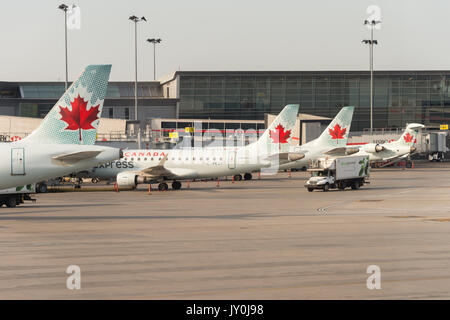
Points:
(240, 97)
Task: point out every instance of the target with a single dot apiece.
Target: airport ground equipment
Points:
(12, 197)
(436, 146)
(339, 172)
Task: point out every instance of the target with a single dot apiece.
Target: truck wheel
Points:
(326, 187)
(310, 189)
(11, 202)
(248, 176)
(356, 185)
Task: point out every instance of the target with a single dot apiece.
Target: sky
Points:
(217, 35)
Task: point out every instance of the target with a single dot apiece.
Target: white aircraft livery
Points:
(63, 143)
(151, 166)
(332, 142)
(392, 151)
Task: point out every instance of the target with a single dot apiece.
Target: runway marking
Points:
(324, 209)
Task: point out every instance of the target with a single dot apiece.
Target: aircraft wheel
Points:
(41, 187)
(237, 177)
(95, 180)
(326, 187)
(176, 185)
(248, 176)
(163, 186)
(11, 202)
(310, 189)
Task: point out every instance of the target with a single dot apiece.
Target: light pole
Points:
(136, 20)
(154, 41)
(371, 42)
(64, 8)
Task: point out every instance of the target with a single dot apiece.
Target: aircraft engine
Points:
(127, 179)
(371, 148)
(350, 151)
(131, 179)
(295, 156)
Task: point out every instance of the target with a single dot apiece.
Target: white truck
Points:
(12, 197)
(338, 172)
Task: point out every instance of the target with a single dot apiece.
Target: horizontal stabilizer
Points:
(68, 159)
(286, 157)
(341, 151)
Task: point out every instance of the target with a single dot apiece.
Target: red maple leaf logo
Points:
(279, 135)
(337, 132)
(408, 138)
(79, 118)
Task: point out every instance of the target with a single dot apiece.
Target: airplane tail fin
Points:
(276, 138)
(409, 136)
(74, 119)
(336, 134)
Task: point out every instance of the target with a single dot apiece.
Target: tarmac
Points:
(258, 239)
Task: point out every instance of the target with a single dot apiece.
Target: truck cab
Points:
(321, 177)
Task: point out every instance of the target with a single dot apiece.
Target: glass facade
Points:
(114, 91)
(400, 97)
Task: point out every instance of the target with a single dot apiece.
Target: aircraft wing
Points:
(158, 170)
(393, 160)
(68, 159)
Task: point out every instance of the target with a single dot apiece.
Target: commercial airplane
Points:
(332, 142)
(395, 150)
(152, 166)
(63, 143)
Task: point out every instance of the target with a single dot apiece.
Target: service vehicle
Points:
(12, 197)
(339, 172)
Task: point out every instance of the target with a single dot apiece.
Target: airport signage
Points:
(443, 126)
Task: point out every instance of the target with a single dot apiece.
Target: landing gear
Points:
(41, 187)
(176, 185)
(237, 177)
(163, 186)
(248, 176)
(95, 180)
